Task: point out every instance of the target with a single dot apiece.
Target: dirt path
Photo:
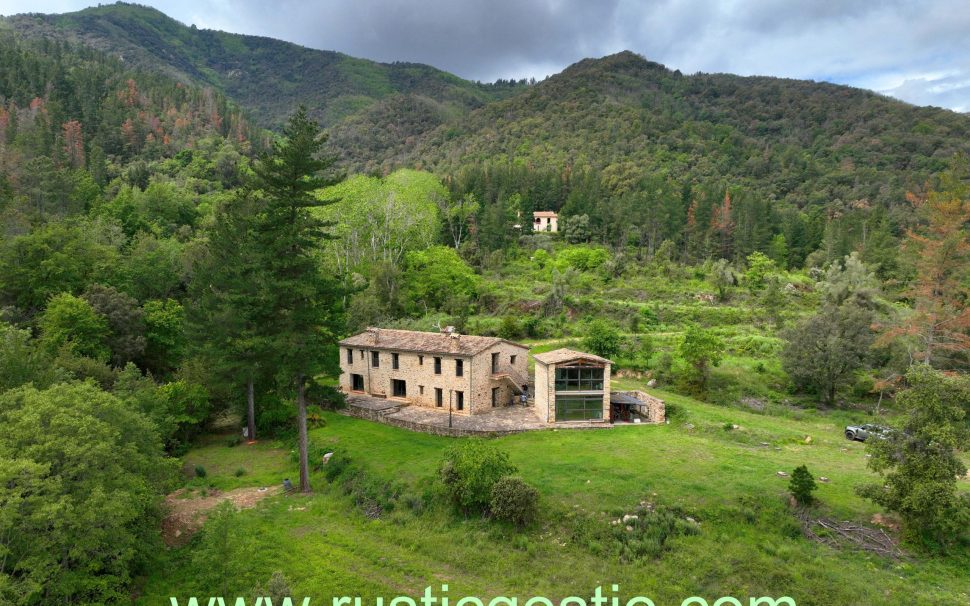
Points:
(186, 515)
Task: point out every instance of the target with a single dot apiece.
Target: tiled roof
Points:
(424, 342)
(558, 356)
(544, 213)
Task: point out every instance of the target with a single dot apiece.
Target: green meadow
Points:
(749, 541)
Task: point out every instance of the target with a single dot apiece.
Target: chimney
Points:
(448, 330)
(375, 334)
(453, 340)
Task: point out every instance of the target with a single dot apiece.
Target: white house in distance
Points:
(545, 220)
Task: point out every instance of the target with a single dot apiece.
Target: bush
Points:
(647, 535)
(602, 339)
(802, 485)
(337, 464)
(510, 328)
(240, 472)
(514, 501)
(200, 471)
(470, 470)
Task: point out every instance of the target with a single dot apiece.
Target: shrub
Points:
(337, 464)
(602, 339)
(510, 328)
(514, 501)
(802, 485)
(240, 472)
(650, 532)
(470, 470)
(200, 471)
(277, 589)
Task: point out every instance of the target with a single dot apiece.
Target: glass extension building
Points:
(572, 386)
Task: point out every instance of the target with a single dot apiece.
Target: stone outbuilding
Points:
(444, 370)
(572, 386)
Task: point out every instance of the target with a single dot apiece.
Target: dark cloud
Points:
(917, 51)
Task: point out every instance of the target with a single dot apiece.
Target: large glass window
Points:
(578, 408)
(579, 378)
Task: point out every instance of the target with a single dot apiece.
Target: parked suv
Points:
(863, 432)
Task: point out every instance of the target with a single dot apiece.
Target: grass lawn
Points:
(749, 542)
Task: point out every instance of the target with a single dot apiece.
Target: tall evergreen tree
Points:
(227, 308)
(303, 304)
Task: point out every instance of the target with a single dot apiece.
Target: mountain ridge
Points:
(623, 116)
(267, 76)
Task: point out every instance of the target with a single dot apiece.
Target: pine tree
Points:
(304, 309)
(227, 309)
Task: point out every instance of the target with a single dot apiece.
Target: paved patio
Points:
(501, 420)
(505, 419)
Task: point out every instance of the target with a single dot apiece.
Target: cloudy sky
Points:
(918, 51)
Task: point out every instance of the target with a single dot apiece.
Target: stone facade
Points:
(543, 220)
(429, 369)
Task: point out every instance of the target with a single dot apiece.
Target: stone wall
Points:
(544, 392)
(656, 410)
(417, 371)
(452, 432)
(482, 378)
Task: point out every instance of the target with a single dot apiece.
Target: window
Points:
(420, 360)
(395, 361)
(421, 389)
(512, 359)
(375, 359)
(579, 378)
(399, 389)
(357, 382)
(579, 407)
(460, 400)
(439, 397)
(495, 395)
(350, 356)
(459, 368)
(362, 354)
(437, 366)
(494, 363)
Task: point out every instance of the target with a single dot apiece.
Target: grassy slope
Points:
(748, 545)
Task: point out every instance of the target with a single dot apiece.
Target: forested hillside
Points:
(794, 254)
(267, 77)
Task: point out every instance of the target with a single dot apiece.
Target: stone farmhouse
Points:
(463, 373)
(474, 377)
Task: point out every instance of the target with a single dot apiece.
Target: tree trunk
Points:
(301, 423)
(250, 409)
